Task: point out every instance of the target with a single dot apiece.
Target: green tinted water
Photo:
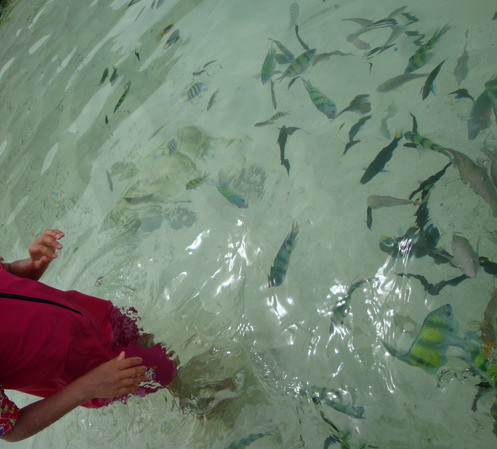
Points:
(194, 264)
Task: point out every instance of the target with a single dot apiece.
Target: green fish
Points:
(268, 66)
(380, 160)
(123, 96)
(475, 356)
(194, 183)
(428, 350)
(104, 76)
(244, 442)
(299, 65)
(324, 104)
(225, 190)
(282, 259)
(417, 139)
(286, 56)
(422, 54)
(428, 87)
(113, 76)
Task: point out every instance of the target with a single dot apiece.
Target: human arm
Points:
(41, 252)
(117, 377)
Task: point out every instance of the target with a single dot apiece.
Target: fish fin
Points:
(414, 123)
(411, 145)
(392, 351)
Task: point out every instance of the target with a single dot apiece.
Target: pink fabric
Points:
(9, 412)
(45, 347)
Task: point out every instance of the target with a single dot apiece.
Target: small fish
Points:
(493, 164)
(377, 201)
(399, 80)
(349, 145)
(172, 39)
(244, 442)
(334, 399)
(194, 183)
(113, 77)
(268, 66)
(281, 261)
(301, 42)
(422, 54)
(435, 289)
(195, 90)
(480, 115)
(212, 99)
(106, 119)
(299, 65)
(428, 87)
(274, 117)
(461, 68)
(324, 104)
(356, 127)
(380, 160)
(165, 31)
(172, 146)
(391, 111)
(134, 200)
(325, 56)
(294, 14)
(462, 93)
(282, 139)
(109, 180)
(464, 256)
(273, 96)
(104, 76)
(137, 55)
(359, 104)
(123, 96)
(488, 327)
(429, 348)
(426, 186)
(133, 2)
(225, 190)
(287, 54)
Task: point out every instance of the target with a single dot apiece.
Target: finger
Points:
(49, 241)
(130, 361)
(55, 233)
(132, 373)
(42, 250)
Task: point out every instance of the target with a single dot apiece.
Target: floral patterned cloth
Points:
(9, 412)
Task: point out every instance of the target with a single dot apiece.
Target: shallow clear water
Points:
(195, 265)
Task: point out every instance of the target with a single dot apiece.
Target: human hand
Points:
(117, 377)
(43, 250)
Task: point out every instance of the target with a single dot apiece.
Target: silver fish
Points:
(399, 80)
(464, 256)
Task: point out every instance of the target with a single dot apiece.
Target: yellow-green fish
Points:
(123, 96)
(428, 351)
(280, 265)
(268, 66)
(476, 357)
(422, 54)
(286, 55)
(194, 183)
(299, 65)
(324, 104)
(224, 189)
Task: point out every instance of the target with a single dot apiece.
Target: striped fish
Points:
(123, 96)
(299, 65)
(476, 357)
(324, 104)
(282, 259)
(172, 146)
(195, 90)
(244, 442)
(268, 66)
(428, 351)
(422, 54)
(194, 183)
(225, 190)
